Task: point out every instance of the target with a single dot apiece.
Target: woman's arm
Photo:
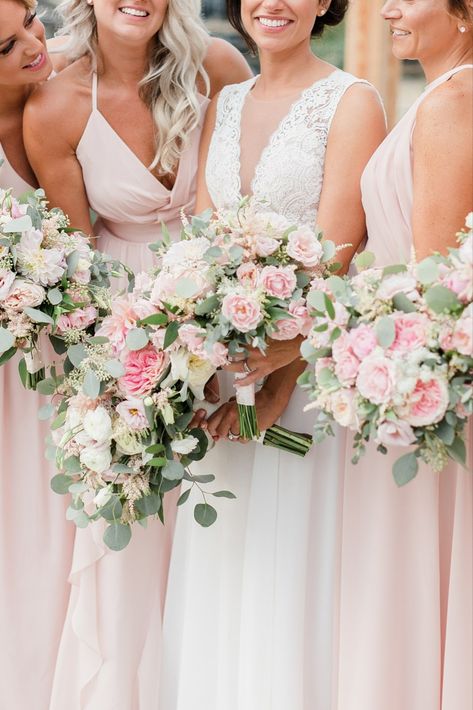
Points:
(51, 129)
(203, 199)
(442, 165)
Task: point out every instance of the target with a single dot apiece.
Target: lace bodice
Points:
(290, 171)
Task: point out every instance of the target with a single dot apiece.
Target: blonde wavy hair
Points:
(169, 87)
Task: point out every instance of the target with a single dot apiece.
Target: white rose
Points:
(6, 279)
(184, 446)
(103, 496)
(395, 433)
(397, 283)
(23, 294)
(97, 458)
(343, 408)
(98, 425)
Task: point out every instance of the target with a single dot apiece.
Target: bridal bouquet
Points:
(238, 278)
(122, 423)
(393, 357)
(50, 278)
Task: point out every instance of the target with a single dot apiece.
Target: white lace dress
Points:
(252, 601)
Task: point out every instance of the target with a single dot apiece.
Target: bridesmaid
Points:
(406, 622)
(128, 150)
(251, 601)
(35, 539)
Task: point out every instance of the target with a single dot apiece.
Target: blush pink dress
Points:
(406, 624)
(110, 651)
(35, 538)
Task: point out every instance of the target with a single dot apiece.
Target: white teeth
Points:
(272, 23)
(133, 11)
(399, 33)
(36, 61)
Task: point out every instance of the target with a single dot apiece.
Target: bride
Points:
(251, 602)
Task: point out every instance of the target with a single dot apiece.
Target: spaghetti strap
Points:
(94, 91)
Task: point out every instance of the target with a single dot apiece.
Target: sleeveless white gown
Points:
(252, 601)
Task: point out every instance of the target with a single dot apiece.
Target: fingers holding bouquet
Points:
(254, 365)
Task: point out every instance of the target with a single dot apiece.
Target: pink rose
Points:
(132, 411)
(411, 332)
(341, 346)
(346, 368)
(143, 370)
(192, 337)
(126, 311)
(6, 280)
(428, 401)
(247, 274)
(300, 323)
(81, 318)
(342, 404)
(219, 355)
(362, 341)
(303, 246)
(265, 246)
(279, 282)
(23, 294)
(462, 336)
(242, 312)
(375, 379)
(321, 364)
(396, 433)
(460, 281)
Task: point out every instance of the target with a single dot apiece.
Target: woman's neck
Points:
(456, 57)
(124, 64)
(293, 69)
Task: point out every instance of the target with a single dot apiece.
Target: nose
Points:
(391, 10)
(271, 5)
(33, 46)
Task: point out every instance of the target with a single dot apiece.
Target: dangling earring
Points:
(462, 28)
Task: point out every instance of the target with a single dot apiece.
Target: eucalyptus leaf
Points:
(204, 478)
(385, 331)
(402, 303)
(76, 353)
(224, 494)
(72, 464)
(59, 421)
(72, 263)
(328, 250)
(427, 271)
(155, 319)
(117, 536)
(184, 496)
(445, 432)
(441, 300)
(394, 269)
(7, 340)
(149, 505)
(205, 514)
(60, 483)
(186, 288)
(316, 300)
(457, 451)
(307, 350)
(136, 339)
(206, 306)
(405, 469)
(7, 355)
(364, 260)
(173, 471)
(54, 296)
(46, 387)
(114, 368)
(112, 510)
(172, 332)
(38, 316)
(91, 386)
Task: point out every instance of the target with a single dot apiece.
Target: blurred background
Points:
(361, 45)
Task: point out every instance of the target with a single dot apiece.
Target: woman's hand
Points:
(224, 423)
(279, 353)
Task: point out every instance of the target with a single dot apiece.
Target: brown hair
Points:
(462, 9)
(333, 16)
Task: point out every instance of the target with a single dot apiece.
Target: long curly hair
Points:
(168, 87)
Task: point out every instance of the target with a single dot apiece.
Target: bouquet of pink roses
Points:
(393, 357)
(239, 278)
(122, 415)
(50, 278)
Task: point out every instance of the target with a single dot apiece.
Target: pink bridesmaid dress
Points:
(110, 651)
(406, 621)
(35, 539)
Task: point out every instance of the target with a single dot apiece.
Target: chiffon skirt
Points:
(252, 602)
(35, 550)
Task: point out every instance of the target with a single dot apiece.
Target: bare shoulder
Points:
(449, 107)
(360, 111)
(224, 65)
(362, 96)
(49, 106)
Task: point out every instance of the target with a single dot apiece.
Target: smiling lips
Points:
(36, 63)
(133, 11)
(273, 22)
(395, 32)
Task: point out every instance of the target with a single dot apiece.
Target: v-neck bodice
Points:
(130, 201)
(288, 172)
(9, 178)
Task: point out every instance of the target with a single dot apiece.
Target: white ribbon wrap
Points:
(33, 361)
(244, 395)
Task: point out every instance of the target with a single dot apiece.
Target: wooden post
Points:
(368, 51)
